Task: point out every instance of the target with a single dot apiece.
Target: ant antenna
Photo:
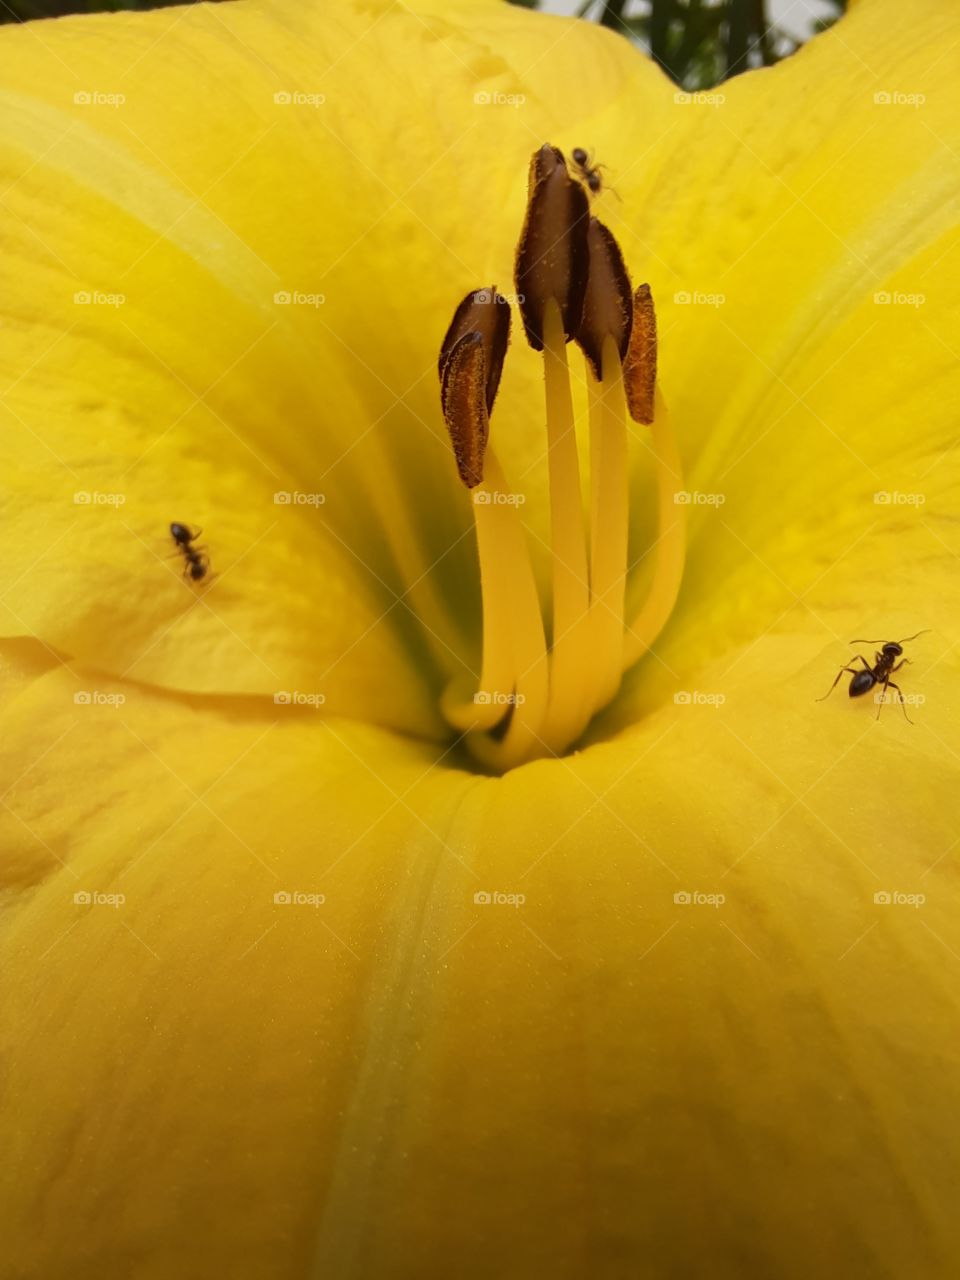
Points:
(905, 640)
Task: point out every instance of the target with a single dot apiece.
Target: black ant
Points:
(196, 561)
(587, 171)
(866, 677)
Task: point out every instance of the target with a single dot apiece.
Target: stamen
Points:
(514, 679)
(646, 405)
(552, 268)
(640, 362)
(567, 714)
(604, 337)
(571, 283)
(670, 546)
(552, 256)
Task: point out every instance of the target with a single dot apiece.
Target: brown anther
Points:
(463, 396)
(640, 362)
(487, 313)
(552, 256)
(607, 307)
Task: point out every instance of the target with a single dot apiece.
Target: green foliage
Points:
(23, 10)
(697, 42)
(700, 42)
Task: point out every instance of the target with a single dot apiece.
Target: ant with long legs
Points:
(885, 664)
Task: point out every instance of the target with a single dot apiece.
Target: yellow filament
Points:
(670, 547)
(485, 708)
(569, 656)
(522, 739)
(514, 680)
(609, 522)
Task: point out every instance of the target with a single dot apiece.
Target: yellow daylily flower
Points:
(292, 988)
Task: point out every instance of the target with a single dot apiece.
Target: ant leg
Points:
(903, 705)
(882, 696)
(900, 664)
(852, 671)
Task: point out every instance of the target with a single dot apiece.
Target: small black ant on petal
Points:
(885, 663)
(196, 560)
(588, 172)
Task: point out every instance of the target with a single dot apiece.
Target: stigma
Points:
(545, 673)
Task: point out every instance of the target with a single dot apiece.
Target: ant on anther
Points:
(588, 172)
(196, 561)
(866, 677)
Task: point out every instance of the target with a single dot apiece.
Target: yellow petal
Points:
(600, 1078)
(380, 1075)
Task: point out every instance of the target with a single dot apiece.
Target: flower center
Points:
(540, 685)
